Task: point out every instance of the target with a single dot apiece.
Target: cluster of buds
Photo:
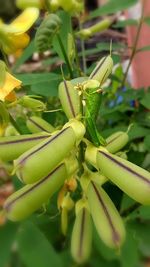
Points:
(71, 6)
(51, 160)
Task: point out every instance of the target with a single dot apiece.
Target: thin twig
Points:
(130, 209)
(134, 46)
(77, 57)
(65, 56)
(14, 123)
(83, 51)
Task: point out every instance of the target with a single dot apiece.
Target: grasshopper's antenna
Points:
(110, 47)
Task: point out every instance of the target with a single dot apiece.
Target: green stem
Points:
(5, 58)
(14, 123)
(77, 57)
(65, 56)
(130, 209)
(134, 46)
(47, 5)
(81, 146)
(83, 51)
(81, 159)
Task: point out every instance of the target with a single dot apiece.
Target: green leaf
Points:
(147, 20)
(46, 88)
(7, 238)
(25, 55)
(129, 253)
(45, 84)
(144, 212)
(103, 47)
(141, 231)
(106, 46)
(144, 48)
(125, 23)
(34, 78)
(34, 248)
(147, 142)
(112, 6)
(65, 29)
(146, 101)
(137, 131)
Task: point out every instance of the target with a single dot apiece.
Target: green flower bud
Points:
(31, 197)
(11, 147)
(31, 103)
(102, 70)
(116, 141)
(69, 99)
(42, 158)
(130, 178)
(36, 124)
(106, 218)
(96, 28)
(81, 239)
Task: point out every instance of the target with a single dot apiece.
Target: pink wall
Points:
(141, 62)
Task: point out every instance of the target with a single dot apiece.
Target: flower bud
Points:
(96, 28)
(106, 218)
(31, 197)
(81, 239)
(116, 141)
(42, 158)
(36, 124)
(102, 70)
(69, 99)
(11, 147)
(33, 104)
(130, 178)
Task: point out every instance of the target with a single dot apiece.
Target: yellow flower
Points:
(6, 90)
(13, 36)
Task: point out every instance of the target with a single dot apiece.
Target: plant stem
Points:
(77, 57)
(83, 51)
(130, 209)
(134, 46)
(81, 146)
(47, 5)
(65, 55)
(5, 58)
(13, 122)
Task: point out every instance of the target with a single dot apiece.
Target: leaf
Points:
(102, 47)
(146, 101)
(34, 248)
(45, 84)
(144, 48)
(147, 142)
(7, 237)
(125, 23)
(147, 20)
(129, 253)
(137, 131)
(25, 55)
(141, 231)
(112, 6)
(34, 78)
(64, 30)
(144, 212)
(106, 46)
